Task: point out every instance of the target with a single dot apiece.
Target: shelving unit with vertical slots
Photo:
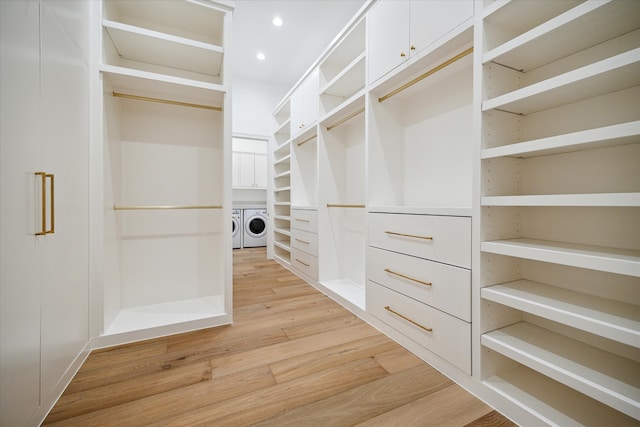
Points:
(560, 198)
(166, 109)
(281, 193)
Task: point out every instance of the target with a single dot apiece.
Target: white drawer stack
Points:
(419, 280)
(304, 241)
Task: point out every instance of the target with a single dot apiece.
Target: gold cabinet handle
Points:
(53, 205)
(413, 322)
(388, 270)
(303, 263)
(409, 235)
(303, 241)
(413, 47)
(402, 54)
(43, 189)
(302, 220)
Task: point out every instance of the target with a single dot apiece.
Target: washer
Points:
(236, 230)
(255, 228)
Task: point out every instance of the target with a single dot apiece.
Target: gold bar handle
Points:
(43, 190)
(302, 220)
(341, 205)
(303, 241)
(303, 263)
(140, 208)
(53, 205)
(409, 235)
(388, 270)
(413, 322)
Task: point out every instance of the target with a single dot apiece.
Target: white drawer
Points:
(449, 289)
(439, 238)
(305, 263)
(305, 241)
(449, 337)
(304, 219)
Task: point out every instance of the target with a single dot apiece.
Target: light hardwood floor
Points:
(293, 357)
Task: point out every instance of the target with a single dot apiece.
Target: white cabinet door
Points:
(305, 104)
(20, 249)
(247, 173)
(430, 20)
(65, 134)
(388, 37)
(235, 169)
(260, 168)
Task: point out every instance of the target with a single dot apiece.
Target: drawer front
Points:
(439, 238)
(305, 263)
(449, 337)
(303, 219)
(449, 289)
(305, 241)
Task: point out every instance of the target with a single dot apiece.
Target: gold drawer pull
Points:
(302, 220)
(407, 319)
(303, 263)
(409, 235)
(303, 241)
(388, 270)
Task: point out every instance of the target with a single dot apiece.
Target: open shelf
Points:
(615, 320)
(283, 231)
(603, 199)
(345, 85)
(156, 315)
(604, 376)
(153, 85)
(553, 403)
(348, 290)
(613, 260)
(581, 27)
(606, 136)
(619, 72)
(151, 47)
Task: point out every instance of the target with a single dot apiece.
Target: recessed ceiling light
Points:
(277, 21)
(260, 56)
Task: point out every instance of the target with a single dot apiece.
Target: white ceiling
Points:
(309, 27)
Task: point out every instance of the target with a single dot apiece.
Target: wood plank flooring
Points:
(293, 357)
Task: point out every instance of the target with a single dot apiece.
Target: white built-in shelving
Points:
(280, 198)
(166, 108)
(560, 198)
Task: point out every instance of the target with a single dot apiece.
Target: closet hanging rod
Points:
(166, 101)
(307, 140)
(338, 205)
(427, 74)
(142, 208)
(349, 117)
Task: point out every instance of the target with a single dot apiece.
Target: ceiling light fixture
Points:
(260, 56)
(277, 21)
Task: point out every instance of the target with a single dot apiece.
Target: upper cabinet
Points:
(392, 41)
(304, 104)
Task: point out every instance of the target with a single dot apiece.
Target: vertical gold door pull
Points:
(43, 189)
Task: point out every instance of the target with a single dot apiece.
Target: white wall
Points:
(253, 103)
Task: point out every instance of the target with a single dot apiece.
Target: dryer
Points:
(236, 228)
(255, 228)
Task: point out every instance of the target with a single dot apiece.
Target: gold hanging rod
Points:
(349, 117)
(307, 140)
(143, 208)
(338, 205)
(166, 101)
(427, 74)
